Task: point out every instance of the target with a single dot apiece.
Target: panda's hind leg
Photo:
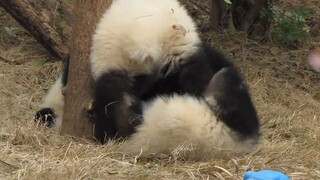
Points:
(229, 97)
(51, 111)
(45, 116)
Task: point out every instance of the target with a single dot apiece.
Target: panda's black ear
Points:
(228, 90)
(227, 81)
(45, 116)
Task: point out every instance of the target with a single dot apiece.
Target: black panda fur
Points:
(223, 122)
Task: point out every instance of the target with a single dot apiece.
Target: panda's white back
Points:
(140, 34)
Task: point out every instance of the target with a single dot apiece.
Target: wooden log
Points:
(59, 14)
(38, 26)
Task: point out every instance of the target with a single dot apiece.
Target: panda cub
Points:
(222, 123)
(135, 38)
(158, 86)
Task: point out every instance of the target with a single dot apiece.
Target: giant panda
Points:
(156, 81)
(139, 37)
(221, 123)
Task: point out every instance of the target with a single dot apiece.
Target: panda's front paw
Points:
(45, 116)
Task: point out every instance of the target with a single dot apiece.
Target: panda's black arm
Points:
(198, 69)
(157, 87)
(190, 77)
(114, 106)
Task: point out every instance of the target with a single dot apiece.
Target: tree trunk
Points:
(38, 26)
(219, 14)
(250, 16)
(76, 121)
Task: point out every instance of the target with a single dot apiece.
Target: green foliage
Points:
(57, 17)
(290, 25)
(228, 1)
(40, 62)
(60, 9)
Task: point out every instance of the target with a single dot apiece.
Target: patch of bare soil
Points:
(285, 90)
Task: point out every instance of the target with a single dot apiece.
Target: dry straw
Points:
(282, 85)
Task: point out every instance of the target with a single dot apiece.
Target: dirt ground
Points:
(285, 90)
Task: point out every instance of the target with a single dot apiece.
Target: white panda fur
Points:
(140, 34)
(51, 110)
(175, 121)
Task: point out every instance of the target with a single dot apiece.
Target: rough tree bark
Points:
(38, 26)
(219, 14)
(76, 121)
(58, 13)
